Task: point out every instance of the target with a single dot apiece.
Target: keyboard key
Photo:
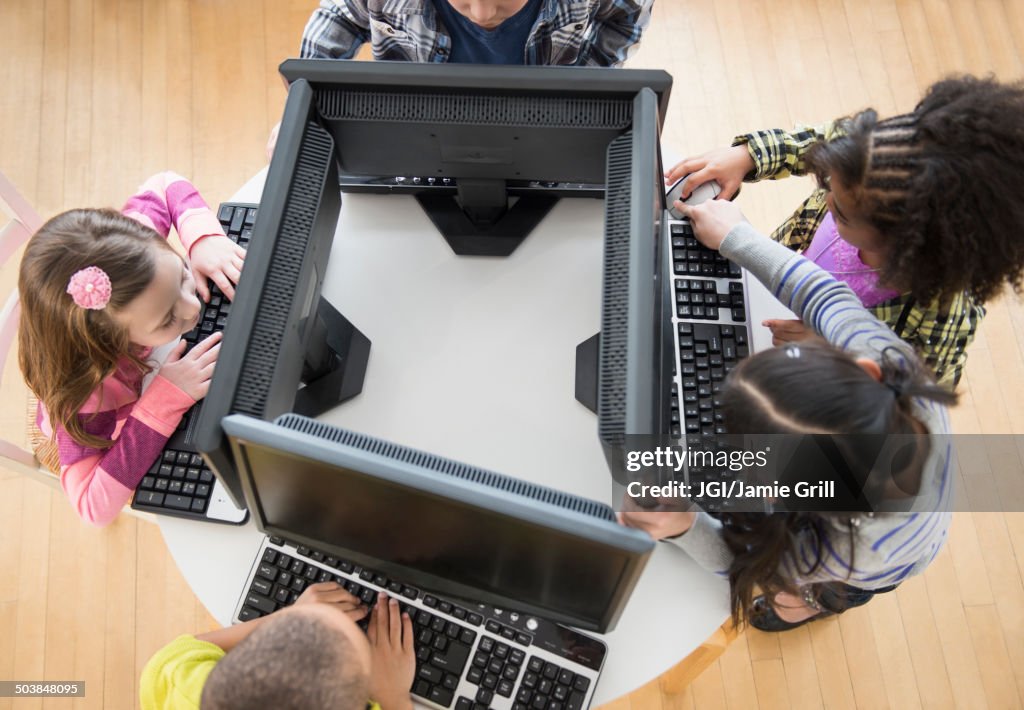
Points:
(177, 502)
(150, 498)
(505, 689)
(248, 613)
(463, 703)
(475, 619)
(453, 659)
(430, 674)
(575, 701)
(483, 695)
(441, 696)
(421, 688)
(260, 602)
(198, 505)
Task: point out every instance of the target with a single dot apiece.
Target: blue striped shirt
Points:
(885, 548)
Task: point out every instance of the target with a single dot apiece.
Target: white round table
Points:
(473, 358)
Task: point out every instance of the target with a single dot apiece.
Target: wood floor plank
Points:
(951, 623)
(993, 659)
(924, 644)
(801, 670)
(893, 652)
(709, 688)
(736, 668)
(120, 687)
(770, 679)
(830, 662)
(8, 621)
(862, 658)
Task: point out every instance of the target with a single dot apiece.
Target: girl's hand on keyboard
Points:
(788, 331)
(334, 593)
(218, 258)
(191, 373)
(726, 165)
(712, 220)
(394, 657)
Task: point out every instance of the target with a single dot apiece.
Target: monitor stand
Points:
(478, 220)
(586, 371)
(335, 362)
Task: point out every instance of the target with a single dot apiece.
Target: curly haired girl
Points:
(919, 214)
(99, 291)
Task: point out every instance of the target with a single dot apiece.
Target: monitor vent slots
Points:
(283, 275)
(475, 109)
(611, 397)
(439, 464)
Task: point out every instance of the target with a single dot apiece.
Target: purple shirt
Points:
(841, 259)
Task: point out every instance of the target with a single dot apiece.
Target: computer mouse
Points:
(706, 191)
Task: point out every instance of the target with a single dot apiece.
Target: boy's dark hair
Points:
(942, 184)
(783, 391)
(293, 661)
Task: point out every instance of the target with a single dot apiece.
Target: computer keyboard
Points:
(711, 326)
(179, 483)
(468, 656)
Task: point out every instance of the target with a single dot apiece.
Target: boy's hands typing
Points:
(334, 593)
(726, 165)
(191, 372)
(218, 258)
(394, 657)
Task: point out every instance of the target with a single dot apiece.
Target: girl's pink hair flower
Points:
(90, 288)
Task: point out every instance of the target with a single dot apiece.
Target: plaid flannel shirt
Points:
(567, 32)
(940, 332)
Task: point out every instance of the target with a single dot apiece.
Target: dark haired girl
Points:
(810, 564)
(919, 214)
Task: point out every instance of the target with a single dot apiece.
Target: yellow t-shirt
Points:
(174, 677)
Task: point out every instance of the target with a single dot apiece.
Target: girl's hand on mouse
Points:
(712, 220)
(726, 165)
(218, 258)
(191, 373)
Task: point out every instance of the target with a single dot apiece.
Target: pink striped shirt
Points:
(100, 481)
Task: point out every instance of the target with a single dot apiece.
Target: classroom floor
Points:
(97, 94)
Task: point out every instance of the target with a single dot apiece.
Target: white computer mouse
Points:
(706, 191)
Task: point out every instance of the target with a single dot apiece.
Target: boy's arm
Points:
(778, 153)
(336, 30)
(617, 29)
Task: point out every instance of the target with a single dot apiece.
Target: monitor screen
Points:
(439, 524)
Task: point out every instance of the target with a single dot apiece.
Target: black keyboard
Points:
(179, 483)
(711, 337)
(468, 656)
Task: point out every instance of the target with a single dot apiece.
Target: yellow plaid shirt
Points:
(939, 332)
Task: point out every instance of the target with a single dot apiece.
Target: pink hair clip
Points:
(90, 288)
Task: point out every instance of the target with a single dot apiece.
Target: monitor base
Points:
(499, 237)
(586, 372)
(335, 365)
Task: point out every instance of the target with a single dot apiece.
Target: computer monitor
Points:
(492, 133)
(438, 524)
(281, 333)
(549, 123)
(634, 347)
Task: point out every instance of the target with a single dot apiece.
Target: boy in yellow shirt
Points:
(309, 655)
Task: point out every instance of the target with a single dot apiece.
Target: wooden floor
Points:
(97, 94)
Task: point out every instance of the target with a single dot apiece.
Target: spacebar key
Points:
(178, 502)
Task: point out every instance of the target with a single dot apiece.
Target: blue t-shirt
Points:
(472, 44)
